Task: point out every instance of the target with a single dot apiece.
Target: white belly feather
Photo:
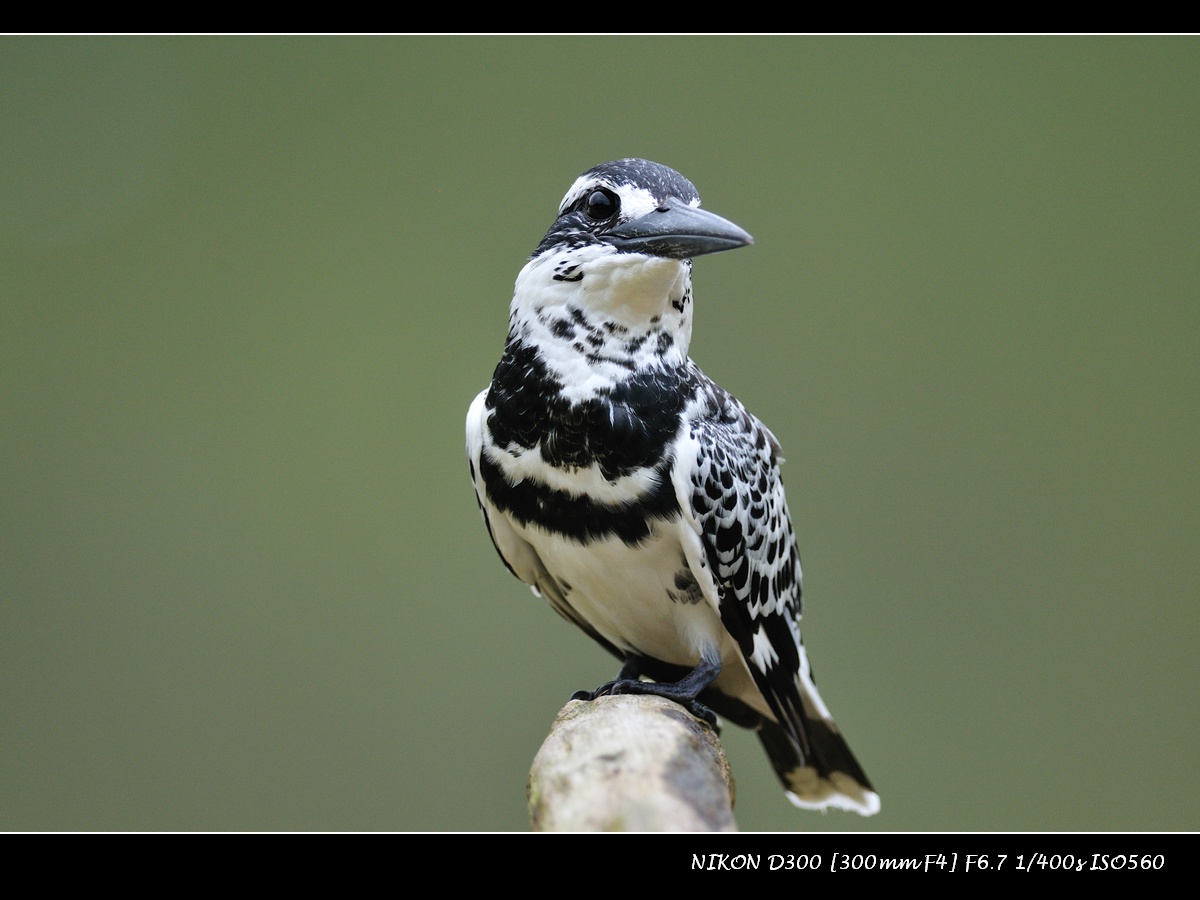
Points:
(628, 595)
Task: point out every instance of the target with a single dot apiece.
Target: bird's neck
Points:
(597, 323)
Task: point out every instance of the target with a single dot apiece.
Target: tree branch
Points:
(630, 763)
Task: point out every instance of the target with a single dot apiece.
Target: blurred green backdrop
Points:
(250, 285)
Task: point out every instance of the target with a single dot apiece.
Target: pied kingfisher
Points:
(638, 497)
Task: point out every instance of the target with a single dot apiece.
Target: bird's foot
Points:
(588, 696)
(655, 689)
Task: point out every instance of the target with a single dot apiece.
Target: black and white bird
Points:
(638, 497)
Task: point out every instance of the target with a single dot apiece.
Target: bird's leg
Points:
(684, 691)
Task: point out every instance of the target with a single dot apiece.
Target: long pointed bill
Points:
(678, 231)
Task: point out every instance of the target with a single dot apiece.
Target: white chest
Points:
(637, 597)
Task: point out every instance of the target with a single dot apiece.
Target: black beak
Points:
(678, 231)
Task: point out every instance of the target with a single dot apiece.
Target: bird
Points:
(638, 497)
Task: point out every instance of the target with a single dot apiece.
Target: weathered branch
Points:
(630, 763)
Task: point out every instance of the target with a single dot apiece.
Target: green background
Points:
(250, 286)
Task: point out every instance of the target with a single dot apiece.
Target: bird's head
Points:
(635, 206)
(623, 242)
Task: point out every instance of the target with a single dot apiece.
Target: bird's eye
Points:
(601, 204)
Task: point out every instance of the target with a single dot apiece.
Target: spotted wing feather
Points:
(738, 505)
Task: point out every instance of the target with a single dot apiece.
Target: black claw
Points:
(700, 711)
(602, 691)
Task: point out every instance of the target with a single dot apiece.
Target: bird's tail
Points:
(822, 774)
